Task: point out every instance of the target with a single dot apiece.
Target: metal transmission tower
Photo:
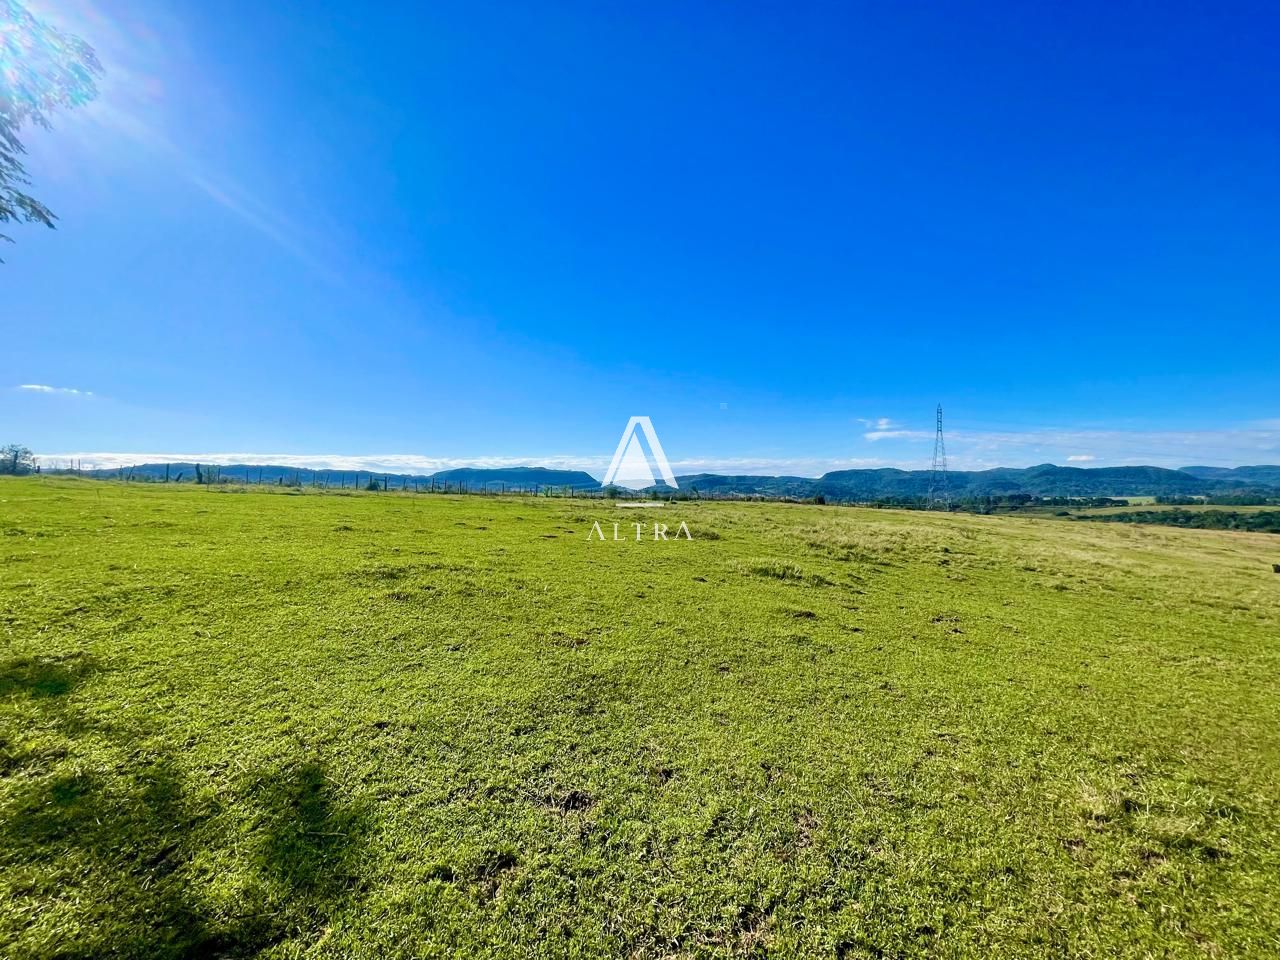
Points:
(939, 495)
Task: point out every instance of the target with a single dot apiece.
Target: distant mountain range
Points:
(1264, 476)
(521, 478)
(1045, 480)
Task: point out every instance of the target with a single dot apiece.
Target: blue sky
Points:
(429, 234)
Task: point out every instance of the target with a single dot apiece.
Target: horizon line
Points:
(417, 465)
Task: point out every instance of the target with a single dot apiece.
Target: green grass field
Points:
(242, 724)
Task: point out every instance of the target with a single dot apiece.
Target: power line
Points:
(939, 494)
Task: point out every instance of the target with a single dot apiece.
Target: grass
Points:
(243, 724)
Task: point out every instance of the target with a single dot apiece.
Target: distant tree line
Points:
(1018, 501)
(998, 503)
(242, 476)
(1245, 498)
(1259, 521)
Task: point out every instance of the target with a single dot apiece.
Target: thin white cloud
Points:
(1081, 458)
(874, 435)
(878, 423)
(45, 388)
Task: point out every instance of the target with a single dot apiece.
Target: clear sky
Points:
(470, 232)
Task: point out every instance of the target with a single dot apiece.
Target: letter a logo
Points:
(631, 467)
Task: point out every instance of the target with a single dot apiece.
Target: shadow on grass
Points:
(109, 851)
(41, 677)
(309, 838)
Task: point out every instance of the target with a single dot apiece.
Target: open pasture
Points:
(285, 725)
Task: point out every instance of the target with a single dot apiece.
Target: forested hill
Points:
(1266, 476)
(524, 478)
(1045, 480)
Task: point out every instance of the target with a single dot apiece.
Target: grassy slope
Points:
(324, 724)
